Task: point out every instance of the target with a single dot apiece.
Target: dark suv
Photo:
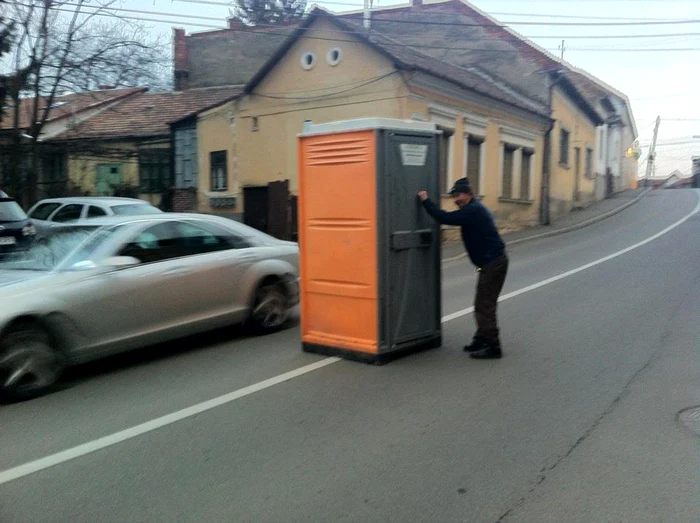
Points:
(16, 230)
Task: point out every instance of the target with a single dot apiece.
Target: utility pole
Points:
(368, 8)
(562, 47)
(651, 157)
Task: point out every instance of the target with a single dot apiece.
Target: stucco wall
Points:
(582, 135)
(469, 119)
(363, 84)
(215, 132)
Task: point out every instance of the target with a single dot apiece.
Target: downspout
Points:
(547, 160)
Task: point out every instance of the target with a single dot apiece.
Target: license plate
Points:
(7, 240)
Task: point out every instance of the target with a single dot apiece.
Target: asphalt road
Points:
(576, 423)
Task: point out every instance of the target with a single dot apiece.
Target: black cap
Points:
(461, 186)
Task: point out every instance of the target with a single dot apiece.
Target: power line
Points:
(358, 102)
(599, 37)
(669, 144)
(580, 17)
(328, 95)
(644, 50)
(218, 19)
(100, 11)
(607, 1)
(501, 24)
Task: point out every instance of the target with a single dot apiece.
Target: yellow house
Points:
(572, 161)
(328, 71)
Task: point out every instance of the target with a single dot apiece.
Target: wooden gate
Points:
(271, 209)
(278, 210)
(255, 210)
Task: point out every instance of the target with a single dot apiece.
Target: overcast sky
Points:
(659, 83)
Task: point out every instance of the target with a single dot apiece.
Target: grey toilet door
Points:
(413, 267)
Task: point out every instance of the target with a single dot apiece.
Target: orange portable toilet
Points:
(369, 253)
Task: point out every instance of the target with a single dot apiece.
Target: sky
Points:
(658, 82)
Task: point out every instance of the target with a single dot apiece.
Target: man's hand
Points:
(423, 195)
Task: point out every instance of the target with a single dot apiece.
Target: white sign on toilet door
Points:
(413, 155)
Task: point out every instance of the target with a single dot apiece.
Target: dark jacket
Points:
(479, 232)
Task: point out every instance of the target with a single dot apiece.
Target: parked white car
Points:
(78, 209)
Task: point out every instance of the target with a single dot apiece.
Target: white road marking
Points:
(107, 441)
(123, 435)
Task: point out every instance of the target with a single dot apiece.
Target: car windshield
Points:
(134, 209)
(10, 211)
(62, 250)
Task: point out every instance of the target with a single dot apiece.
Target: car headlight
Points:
(28, 230)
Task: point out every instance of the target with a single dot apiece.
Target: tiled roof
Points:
(411, 58)
(500, 51)
(470, 77)
(66, 105)
(447, 31)
(149, 114)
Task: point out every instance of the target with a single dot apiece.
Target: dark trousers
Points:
(488, 288)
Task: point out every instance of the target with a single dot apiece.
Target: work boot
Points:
(475, 345)
(490, 351)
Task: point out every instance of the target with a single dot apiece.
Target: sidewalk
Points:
(572, 221)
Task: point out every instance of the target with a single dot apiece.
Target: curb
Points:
(564, 230)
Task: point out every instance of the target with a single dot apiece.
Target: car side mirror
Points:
(119, 262)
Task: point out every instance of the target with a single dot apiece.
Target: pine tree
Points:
(268, 12)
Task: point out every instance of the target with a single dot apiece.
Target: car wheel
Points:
(270, 309)
(29, 366)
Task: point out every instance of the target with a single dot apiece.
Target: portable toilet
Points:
(369, 253)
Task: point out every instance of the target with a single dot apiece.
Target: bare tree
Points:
(68, 45)
(7, 28)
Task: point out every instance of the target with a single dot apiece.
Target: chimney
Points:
(181, 59)
(416, 3)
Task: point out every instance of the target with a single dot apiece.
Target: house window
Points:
(564, 147)
(446, 151)
(525, 174)
(474, 161)
(186, 158)
(218, 174)
(54, 168)
(308, 60)
(154, 170)
(507, 181)
(107, 176)
(516, 172)
(334, 56)
(589, 163)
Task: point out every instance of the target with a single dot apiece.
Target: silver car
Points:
(119, 283)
